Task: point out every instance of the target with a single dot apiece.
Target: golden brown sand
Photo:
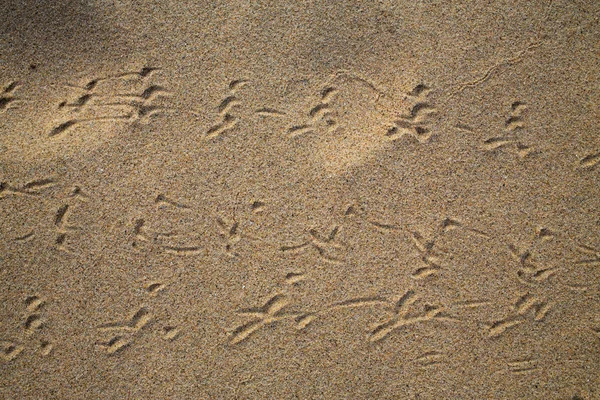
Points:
(300, 199)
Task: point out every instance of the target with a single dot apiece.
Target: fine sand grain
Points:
(334, 199)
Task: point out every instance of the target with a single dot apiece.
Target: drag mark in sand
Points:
(522, 366)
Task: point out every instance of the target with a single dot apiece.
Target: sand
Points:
(299, 199)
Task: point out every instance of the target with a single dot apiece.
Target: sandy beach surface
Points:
(318, 199)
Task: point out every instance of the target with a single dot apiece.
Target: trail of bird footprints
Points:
(407, 310)
(131, 97)
(327, 247)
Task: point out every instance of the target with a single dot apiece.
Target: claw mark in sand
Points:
(124, 333)
(226, 111)
(63, 228)
(230, 233)
(526, 307)
(530, 272)
(170, 333)
(590, 161)
(155, 288)
(464, 127)
(269, 112)
(592, 256)
(402, 316)
(354, 211)
(429, 358)
(137, 321)
(513, 125)
(10, 349)
(523, 366)
(65, 126)
(294, 278)
(415, 122)
(7, 97)
(34, 320)
(257, 206)
(25, 238)
(319, 113)
(163, 240)
(470, 304)
(33, 188)
(163, 201)
(429, 255)
(32, 332)
(328, 247)
(267, 314)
